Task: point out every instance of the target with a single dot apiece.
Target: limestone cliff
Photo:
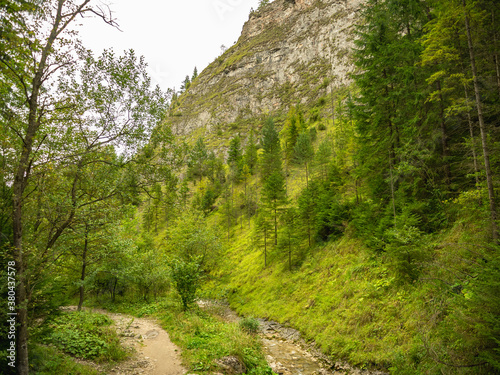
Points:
(288, 52)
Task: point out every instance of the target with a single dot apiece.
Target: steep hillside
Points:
(288, 52)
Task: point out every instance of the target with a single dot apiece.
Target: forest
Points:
(366, 219)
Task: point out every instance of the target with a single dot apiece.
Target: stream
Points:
(286, 351)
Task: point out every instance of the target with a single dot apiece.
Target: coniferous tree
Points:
(250, 156)
(304, 152)
(274, 195)
(185, 84)
(197, 160)
(322, 158)
(289, 239)
(270, 143)
(235, 157)
(291, 130)
(262, 231)
(393, 120)
(482, 125)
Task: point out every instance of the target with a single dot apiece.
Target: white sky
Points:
(174, 36)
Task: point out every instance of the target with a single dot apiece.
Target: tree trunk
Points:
(21, 177)
(473, 140)
(392, 189)
(113, 295)
(307, 176)
(333, 107)
(309, 230)
(495, 56)
(275, 226)
(84, 266)
(444, 138)
(265, 247)
(482, 128)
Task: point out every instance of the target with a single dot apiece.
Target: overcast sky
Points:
(173, 35)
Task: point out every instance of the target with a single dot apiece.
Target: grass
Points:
(338, 297)
(204, 338)
(45, 360)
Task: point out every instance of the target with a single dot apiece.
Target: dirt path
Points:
(154, 354)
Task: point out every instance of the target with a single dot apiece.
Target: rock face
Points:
(290, 51)
(231, 365)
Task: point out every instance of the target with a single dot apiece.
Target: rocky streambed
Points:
(287, 353)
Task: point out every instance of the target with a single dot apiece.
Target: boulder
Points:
(231, 365)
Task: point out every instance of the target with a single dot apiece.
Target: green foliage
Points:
(262, 4)
(197, 160)
(187, 277)
(293, 126)
(46, 360)
(262, 232)
(249, 324)
(234, 154)
(250, 156)
(390, 276)
(144, 268)
(289, 240)
(85, 335)
(303, 149)
(274, 190)
(186, 84)
(270, 143)
(406, 252)
(192, 238)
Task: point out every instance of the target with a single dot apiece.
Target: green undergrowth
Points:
(45, 360)
(84, 335)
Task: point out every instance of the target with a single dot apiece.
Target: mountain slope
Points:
(288, 52)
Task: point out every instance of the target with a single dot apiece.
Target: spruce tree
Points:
(304, 152)
(197, 160)
(250, 156)
(235, 157)
(270, 142)
(274, 195)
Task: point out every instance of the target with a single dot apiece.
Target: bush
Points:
(249, 324)
(187, 277)
(314, 115)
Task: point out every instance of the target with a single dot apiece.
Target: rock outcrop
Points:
(290, 51)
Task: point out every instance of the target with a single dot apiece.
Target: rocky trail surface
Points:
(153, 352)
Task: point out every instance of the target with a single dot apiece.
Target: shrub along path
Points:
(154, 353)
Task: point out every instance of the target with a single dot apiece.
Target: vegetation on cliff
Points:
(366, 216)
